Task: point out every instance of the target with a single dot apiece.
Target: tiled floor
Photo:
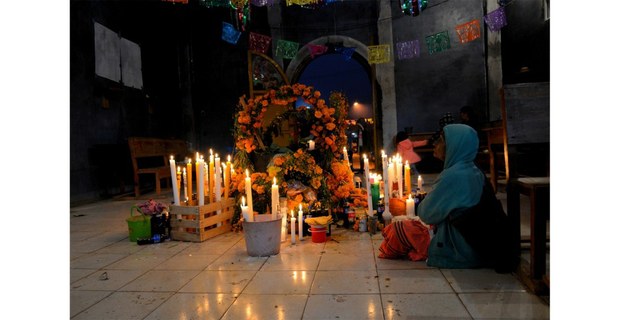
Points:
(113, 278)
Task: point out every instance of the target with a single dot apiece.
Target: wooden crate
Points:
(199, 223)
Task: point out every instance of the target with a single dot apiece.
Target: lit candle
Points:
(244, 210)
(292, 227)
(367, 182)
(173, 177)
(248, 194)
(420, 182)
(200, 193)
(212, 176)
(300, 221)
(345, 156)
(185, 183)
(275, 200)
(386, 185)
(205, 172)
(390, 179)
(190, 187)
(410, 207)
(407, 177)
(310, 145)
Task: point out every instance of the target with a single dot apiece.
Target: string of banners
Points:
(377, 54)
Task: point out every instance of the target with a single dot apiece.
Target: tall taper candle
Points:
(407, 178)
(173, 177)
(345, 156)
(410, 207)
(185, 194)
(178, 182)
(367, 182)
(386, 185)
(200, 193)
(190, 187)
(244, 210)
(399, 173)
(229, 174)
(211, 176)
(248, 193)
(300, 221)
(292, 227)
(275, 200)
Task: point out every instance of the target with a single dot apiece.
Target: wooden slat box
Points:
(199, 223)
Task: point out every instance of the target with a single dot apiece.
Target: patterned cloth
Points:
(405, 238)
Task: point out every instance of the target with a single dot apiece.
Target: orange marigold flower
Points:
(299, 198)
(319, 129)
(317, 93)
(329, 141)
(330, 126)
(265, 103)
(318, 114)
(318, 170)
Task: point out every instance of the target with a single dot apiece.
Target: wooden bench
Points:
(150, 156)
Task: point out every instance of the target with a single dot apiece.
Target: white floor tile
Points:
(203, 306)
(187, 261)
(292, 261)
(96, 260)
(333, 261)
(82, 300)
(106, 279)
(505, 305)
(345, 282)
(125, 305)
(237, 262)
(219, 281)
(413, 281)
(343, 307)
(252, 306)
(481, 280)
(280, 282)
(424, 306)
(163, 280)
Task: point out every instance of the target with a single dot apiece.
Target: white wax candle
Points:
(283, 228)
(386, 185)
(173, 176)
(390, 179)
(292, 227)
(218, 178)
(310, 144)
(244, 210)
(300, 221)
(205, 171)
(211, 175)
(345, 155)
(200, 193)
(410, 207)
(248, 194)
(420, 182)
(367, 182)
(275, 200)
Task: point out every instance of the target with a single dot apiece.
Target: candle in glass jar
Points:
(420, 182)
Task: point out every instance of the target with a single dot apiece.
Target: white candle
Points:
(173, 176)
(185, 184)
(410, 207)
(292, 227)
(200, 193)
(248, 194)
(345, 156)
(275, 200)
(300, 221)
(420, 182)
(218, 178)
(190, 187)
(244, 210)
(310, 145)
(399, 175)
(205, 171)
(283, 228)
(390, 179)
(367, 182)
(386, 186)
(227, 177)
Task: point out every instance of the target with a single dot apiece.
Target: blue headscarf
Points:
(460, 183)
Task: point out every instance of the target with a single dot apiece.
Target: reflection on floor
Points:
(113, 278)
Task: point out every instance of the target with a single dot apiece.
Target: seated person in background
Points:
(404, 146)
(471, 229)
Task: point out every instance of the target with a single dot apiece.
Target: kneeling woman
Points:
(458, 191)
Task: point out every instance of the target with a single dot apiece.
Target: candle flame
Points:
(243, 201)
(383, 153)
(300, 207)
(171, 157)
(364, 156)
(274, 181)
(211, 151)
(228, 158)
(247, 173)
(409, 197)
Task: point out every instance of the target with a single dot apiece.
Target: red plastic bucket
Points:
(319, 233)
